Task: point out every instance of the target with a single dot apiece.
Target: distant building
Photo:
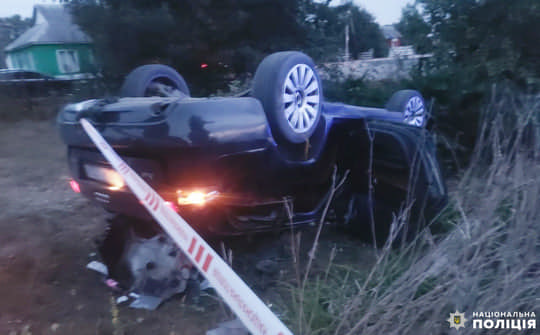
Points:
(54, 45)
(391, 35)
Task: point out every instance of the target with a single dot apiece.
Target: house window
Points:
(68, 61)
(22, 60)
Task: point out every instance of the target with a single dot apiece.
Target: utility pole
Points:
(347, 53)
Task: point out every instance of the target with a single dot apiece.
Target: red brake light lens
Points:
(75, 186)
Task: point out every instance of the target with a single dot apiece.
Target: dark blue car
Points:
(228, 165)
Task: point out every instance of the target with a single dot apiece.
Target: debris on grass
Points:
(98, 267)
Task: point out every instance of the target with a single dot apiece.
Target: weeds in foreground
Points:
(487, 259)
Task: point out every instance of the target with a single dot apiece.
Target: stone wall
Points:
(372, 69)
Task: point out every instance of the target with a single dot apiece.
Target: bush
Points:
(361, 92)
(454, 102)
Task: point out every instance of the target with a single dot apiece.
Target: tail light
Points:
(75, 186)
(195, 197)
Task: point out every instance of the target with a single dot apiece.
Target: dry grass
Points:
(488, 262)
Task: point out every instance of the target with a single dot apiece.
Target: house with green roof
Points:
(54, 45)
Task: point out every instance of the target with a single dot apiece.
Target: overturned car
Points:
(228, 165)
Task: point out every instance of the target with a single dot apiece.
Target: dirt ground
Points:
(48, 234)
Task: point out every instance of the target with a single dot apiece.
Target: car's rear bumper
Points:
(231, 211)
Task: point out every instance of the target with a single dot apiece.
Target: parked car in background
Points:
(24, 82)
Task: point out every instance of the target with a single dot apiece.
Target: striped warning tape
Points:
(255, 315)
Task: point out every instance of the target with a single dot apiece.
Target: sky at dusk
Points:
(384, 11)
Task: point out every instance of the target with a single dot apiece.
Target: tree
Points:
(211, 40)
(325, 26)
(415, 30)
(365, 33)
(494, 39)
(11, 28)
(205, 40)
(476, 43)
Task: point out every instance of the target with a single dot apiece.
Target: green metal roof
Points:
(53, 24)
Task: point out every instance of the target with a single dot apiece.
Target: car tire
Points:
(290, 90)
(142, 81)
(411, 104)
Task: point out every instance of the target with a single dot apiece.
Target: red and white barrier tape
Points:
(255, 315)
